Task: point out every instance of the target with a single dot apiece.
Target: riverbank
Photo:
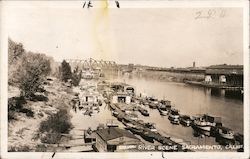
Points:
(23, 131)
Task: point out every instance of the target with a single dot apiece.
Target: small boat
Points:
(166, 103)
(163, 109)
(148, 136)
(226, 133)
(120, 117)
(152, 102)
(153, 105)
(135, 130)
(115, 113)
(175, 121)
(150, 126)
(144, 112)
(174, 114)
(185, 120)
(204, 122)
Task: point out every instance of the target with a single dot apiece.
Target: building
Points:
(121, 97)
(231, 75)
(115, 139)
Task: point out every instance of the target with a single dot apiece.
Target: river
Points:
(191, 100)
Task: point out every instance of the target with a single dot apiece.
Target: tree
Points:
(15, 53)
(34, 68)
(65, 70)
(76, 76)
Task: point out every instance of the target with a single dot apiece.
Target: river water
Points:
(190, 100)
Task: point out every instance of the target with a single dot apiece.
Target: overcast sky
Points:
(150, 36)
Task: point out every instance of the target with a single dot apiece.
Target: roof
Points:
(113, 133)
(225, 71)
(225, 66)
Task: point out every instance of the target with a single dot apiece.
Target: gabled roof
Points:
(113, 133)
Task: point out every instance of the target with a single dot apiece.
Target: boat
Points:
(163, 109)
(147, 135)
(135, 130)
(153, 105)
(89, 136)
(226, 133)
(166, 103)
(120, 117)
(175, 121)
(150, 126)
(152, 102)
(174, 116)
(115, 113)
(185, 120)
(144, 112)
(204, 122)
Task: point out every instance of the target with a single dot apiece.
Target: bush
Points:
(55, 125)
(41, 148)
(15, 104)
(24, 148)
(28, 112)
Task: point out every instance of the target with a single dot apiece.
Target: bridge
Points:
(92, 63)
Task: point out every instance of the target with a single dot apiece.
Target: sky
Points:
(162, 37)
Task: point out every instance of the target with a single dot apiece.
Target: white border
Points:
(126, 4)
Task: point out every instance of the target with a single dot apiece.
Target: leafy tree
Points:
(15, 51)
(34, 68)
(76, 76)
(65, 70)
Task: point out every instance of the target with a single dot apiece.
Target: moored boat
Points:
(115, 113)
(163, 109)
(148, 136)
(204, 122)
(226, 133)
(150, 126)
(144, 112)
(174, 115)
(185, 120)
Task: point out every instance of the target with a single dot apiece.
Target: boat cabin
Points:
(121, 97)
(89, 98)
(123, 87)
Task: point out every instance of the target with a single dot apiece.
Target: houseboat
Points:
(144, 112)
(150, 126)
(147, 135)
(185, 120)
(163, 109)
(135, 130)
(174, 116)
(152, 102)
(123, 87)
(115, 113)
(226, 133)
(204, 122)
(166, 103)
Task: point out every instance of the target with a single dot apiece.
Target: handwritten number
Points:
(211, 13)
(198, 15)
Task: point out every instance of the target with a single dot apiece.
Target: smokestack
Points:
(194, 64)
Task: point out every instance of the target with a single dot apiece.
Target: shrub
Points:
(23, 148)
(55, 125)
(41, 148)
